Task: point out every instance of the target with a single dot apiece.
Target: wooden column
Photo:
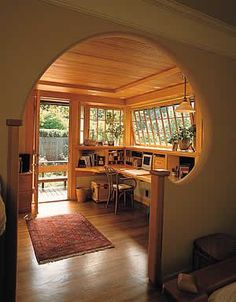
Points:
(156, 226)
(127, 127)
(11, 210)
(73, 147)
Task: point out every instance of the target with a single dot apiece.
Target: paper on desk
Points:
(135, 172)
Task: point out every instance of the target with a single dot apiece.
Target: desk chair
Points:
(119, 186)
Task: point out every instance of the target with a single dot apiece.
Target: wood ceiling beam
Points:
(162, 94)
(156, 76)
(91, 99)
(77, 86)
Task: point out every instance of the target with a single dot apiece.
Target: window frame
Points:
(156, 134)
(105, 108)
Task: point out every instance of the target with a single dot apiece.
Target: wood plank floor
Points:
(117, 274)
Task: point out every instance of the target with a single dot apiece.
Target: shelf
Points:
(82, 147)
(164, 151)
(154, 150)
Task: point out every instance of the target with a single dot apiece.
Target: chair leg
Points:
(124, 199)
(108, 198)
(132, 199)
(116, 203)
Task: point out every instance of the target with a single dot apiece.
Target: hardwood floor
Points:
(117, 274)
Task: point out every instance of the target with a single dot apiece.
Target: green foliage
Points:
(106, 125)
(183, 134)
(114, 129)
(54, 117)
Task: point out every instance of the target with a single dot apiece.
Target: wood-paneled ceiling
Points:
(117, 67)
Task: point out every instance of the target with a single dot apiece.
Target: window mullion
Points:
(136, 128)
(146, 127)
(164, 130)
(141, 126)
(151, 126)
(158, 130)
(168, 119)
(176, 124)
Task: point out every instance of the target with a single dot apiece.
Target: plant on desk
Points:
(184, 138)
(114, 131)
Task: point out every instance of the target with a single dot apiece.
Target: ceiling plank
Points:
(95, 100)
(155, 76)
(162, 94)
(77, 86)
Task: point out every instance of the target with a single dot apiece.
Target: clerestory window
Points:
(154, 126)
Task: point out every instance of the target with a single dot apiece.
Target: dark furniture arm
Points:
(209, 279)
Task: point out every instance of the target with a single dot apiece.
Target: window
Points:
(81, 124)
(154, 126)
(106, 125)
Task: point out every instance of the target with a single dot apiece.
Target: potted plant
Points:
(174, 140)
(184, 137)
(114, 130)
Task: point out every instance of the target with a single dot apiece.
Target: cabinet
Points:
(25, 192)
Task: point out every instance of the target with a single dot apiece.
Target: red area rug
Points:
(64, 236)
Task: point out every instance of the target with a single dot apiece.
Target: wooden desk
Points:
(122, 169)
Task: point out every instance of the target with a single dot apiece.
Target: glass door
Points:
(53, 150)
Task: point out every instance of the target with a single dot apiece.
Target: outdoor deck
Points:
(52, 193)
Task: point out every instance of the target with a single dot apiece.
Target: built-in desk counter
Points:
(122, 169)
(125, 158)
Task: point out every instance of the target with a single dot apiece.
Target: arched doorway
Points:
(134, 83)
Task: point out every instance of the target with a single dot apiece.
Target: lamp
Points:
(184, 106)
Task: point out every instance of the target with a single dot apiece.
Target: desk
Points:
(121, 169)
(145, 179)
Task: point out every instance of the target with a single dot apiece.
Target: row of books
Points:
(91, 160)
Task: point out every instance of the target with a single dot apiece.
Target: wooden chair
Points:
(119, 186)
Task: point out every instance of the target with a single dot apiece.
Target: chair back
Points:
(112, 178)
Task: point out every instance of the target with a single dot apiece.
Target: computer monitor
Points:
(147, 161)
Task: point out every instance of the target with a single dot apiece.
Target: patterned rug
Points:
(64, 236)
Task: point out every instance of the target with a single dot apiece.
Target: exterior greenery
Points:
(54, 125)
(106, 125)
(54, 117)
(183, 134)
(53, 133)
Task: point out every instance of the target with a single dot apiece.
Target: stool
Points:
(212, 248)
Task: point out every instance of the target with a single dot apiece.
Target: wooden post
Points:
(11, 210)
(73, 147)
(156, 226)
